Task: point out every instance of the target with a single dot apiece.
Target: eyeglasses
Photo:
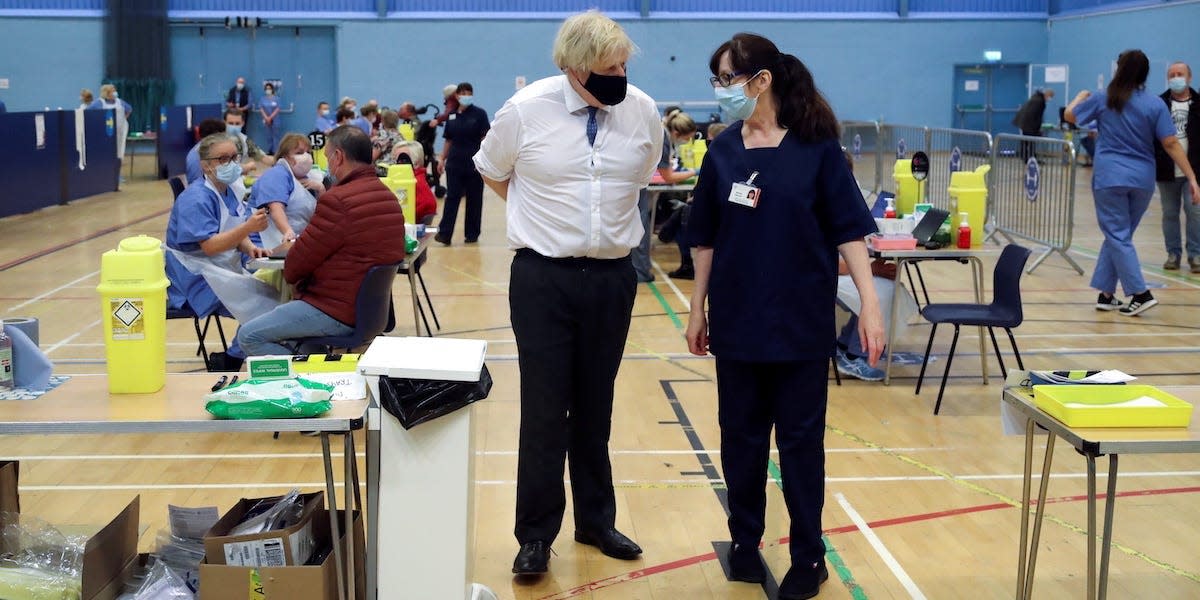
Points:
(726, 79)
(223, 160)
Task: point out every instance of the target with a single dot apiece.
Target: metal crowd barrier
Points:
(900, 142)
(953, 150)
(863, 141)
(1031, 193)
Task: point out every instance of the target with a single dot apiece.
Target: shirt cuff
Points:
(487, 169)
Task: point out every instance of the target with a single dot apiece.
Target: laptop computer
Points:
(929, 225)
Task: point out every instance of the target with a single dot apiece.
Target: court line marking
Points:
(72, 337)
(63, 246)
(877, 544)
(53, 291)
(687, 304)
(913, 518)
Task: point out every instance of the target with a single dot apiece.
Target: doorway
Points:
(987, 97)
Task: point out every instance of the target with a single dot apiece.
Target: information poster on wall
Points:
(971, 85)
(1056, 74)
(39, 130)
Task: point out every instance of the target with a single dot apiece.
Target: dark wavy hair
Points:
(1132, 69)
(802, 108)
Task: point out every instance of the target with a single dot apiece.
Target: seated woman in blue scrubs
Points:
(208, 224)
(287, 193)
(774, 206)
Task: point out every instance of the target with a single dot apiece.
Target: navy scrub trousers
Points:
(570, 317)
(753, 396)
(462, 180)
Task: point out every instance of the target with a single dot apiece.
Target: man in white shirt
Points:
(569, 154)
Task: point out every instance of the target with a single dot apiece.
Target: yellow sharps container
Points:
(908, 191)
(968, 194)
(402, 180)
(133, 308)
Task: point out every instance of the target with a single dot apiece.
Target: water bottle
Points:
(964, 232)
(6, 362)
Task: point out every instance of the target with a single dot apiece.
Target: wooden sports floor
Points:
(933, 494)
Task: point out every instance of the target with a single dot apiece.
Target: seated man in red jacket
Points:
(358, 224)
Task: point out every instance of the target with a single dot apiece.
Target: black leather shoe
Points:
(745, 564)
(445, 241)
(610, 542)
(532, 559)
(802, 582)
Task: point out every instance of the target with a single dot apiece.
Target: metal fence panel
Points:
(953, 150)
(862, 139)
(900, 142)
(1032, 192)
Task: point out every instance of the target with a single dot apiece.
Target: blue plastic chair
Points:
(372, 308)
(1004, 311)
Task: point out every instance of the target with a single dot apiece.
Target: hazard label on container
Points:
(127, 321)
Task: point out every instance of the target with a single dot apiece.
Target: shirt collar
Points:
(574, 101)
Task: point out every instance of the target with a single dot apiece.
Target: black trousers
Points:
(462, 181)
(791, 396)
(570, 318)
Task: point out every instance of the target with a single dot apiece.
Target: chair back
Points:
(1006, 281)
(178, 184)
(373, 305)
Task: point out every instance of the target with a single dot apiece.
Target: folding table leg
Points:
(331, 497)
(1110, 505)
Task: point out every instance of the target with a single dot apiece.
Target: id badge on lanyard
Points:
(746, 193)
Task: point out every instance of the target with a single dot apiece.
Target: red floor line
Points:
(695, 560)
(63, 246)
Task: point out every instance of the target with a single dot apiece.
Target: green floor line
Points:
(831, 554)
(666, 306)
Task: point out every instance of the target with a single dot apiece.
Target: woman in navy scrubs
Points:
(774, 207)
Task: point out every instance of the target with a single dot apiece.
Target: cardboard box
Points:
(318, 582)
(10, 502)
(283, 547)
(107, 555)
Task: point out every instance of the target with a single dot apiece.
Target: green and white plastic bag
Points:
(270, 399)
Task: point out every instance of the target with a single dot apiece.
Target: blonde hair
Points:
(680, 123)
(390, 119)
(288, 145)
(586, 39)
(413, 150)
(86, 95)
(106, 88)
(715, 129)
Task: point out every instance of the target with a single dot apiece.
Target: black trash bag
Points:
(415, 401)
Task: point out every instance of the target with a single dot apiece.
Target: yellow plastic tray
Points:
(1097, 413)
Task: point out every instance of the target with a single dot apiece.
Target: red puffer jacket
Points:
(358, 224)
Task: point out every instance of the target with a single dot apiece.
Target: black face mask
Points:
(608, 89)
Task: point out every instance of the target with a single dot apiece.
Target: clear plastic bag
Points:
(162, 583)
(42, 563)
(181, 555)
(266, 516)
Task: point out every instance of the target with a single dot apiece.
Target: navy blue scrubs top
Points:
(774, 273)
(465, 132)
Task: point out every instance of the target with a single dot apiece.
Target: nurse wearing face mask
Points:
(461, 140)
(774, 206)
(268, 109)
(287, 193)
(207, 228)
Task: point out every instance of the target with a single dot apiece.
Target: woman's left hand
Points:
(256, 252)
(870, 331)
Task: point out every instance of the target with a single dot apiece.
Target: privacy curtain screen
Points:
(137, 58)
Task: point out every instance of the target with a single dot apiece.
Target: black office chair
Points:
(1004, 311)
(403, 270)
(372, 309)
(201, 332)
(178, 184)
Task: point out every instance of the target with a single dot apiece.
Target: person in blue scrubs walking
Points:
(1129, 120)
(774, 206)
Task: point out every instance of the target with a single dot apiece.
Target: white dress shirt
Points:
(566, 198)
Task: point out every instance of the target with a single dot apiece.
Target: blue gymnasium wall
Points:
(1090, 44)
(866, 67)
(47, 60)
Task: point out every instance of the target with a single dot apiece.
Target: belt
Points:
(573, 261)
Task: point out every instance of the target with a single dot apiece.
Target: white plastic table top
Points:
(83, 405)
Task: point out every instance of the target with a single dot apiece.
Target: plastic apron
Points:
(240, 292)
(122, 122)
(300, 208)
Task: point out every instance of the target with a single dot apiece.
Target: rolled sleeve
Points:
(1089, 109)
(274, 186)
(497, 156)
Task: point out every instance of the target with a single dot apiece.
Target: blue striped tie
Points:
(592, 127)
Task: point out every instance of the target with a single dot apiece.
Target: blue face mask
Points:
(1177, 84)
(233, 129)
(229, 172)
(734, 102)
(466, 100)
